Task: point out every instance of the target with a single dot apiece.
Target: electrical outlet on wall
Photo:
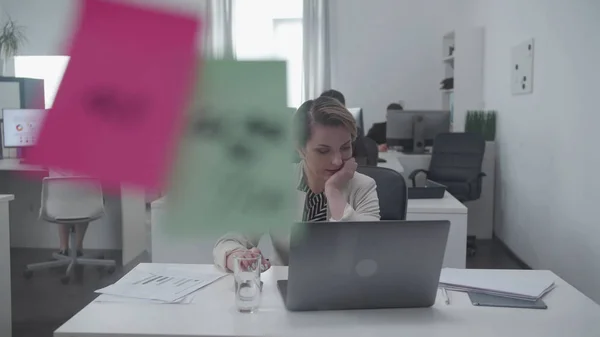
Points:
(522, 68)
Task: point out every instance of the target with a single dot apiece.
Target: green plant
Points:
(12, 38)
(489, 130)
(483, 122)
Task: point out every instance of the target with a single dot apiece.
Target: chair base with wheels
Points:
(72, 201)
(71, 261)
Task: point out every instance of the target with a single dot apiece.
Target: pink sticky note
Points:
(119, 110)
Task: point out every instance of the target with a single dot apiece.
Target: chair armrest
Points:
(476, 179)
(413, 175)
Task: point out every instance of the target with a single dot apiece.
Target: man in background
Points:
(334, 94)
(378, 131)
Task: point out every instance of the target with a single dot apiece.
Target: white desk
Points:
(392, 162)
(569, 313)
(169, 249)
(14, 164)
(5, 294)
(129, 211)
(410, 162)
(447, 208)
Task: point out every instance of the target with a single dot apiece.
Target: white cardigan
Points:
(362, 205)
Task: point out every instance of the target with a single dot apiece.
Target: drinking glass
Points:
(246, 272)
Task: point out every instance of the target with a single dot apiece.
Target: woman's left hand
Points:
(339, 179)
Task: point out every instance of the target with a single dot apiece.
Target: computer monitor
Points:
(20, 127)
(414, 130)
(357, 113)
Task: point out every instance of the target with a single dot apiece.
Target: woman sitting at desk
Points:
(328, 184)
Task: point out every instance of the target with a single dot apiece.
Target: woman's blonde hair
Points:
(324, 111)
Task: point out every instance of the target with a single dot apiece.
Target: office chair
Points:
(456, 162)
(391, 191)
(365, 151)
(372, 151)
(72, 201)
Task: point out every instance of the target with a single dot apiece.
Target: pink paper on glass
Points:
(119, 110)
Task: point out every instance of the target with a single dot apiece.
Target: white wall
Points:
(389, 50)
(547, 191)
(394, 54)
(49, 23)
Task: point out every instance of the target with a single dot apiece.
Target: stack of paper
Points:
(174, 287)
(525, 287)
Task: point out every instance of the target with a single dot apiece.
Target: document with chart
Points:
(169, 286)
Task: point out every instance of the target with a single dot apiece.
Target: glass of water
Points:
(246, 272)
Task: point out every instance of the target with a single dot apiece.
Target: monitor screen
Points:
(357, 113)
(20, 127)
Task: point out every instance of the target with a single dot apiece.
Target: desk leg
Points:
(133, 217)
(456, 247)
(5, 286)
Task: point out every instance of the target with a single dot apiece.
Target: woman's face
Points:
(327, 150)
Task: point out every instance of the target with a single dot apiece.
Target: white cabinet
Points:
(465, 65)
(5, 290)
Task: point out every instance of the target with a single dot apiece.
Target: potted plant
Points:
(11, 40)
(483, 122)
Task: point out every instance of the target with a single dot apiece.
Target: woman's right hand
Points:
(265, 264)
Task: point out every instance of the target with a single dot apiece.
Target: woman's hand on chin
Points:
(338, 180)
(334, 186)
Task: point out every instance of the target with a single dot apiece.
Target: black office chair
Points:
(456, 162)
(391, 191)
(365, 151)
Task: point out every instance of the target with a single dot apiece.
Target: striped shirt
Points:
(315, 205)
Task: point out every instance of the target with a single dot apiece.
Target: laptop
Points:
(364, 265)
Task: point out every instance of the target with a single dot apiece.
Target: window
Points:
(48, 68)
(271, 29)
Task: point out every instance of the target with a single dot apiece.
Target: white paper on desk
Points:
(105, 298)
(168, 286)
(523, 286)
(497, 293)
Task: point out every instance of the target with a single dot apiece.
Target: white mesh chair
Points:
(71, 201)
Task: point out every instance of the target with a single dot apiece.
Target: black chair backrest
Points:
(365, 151)
(457, 159)
(371, 151)
(391, 191)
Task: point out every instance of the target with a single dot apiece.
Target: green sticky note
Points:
(233, 172)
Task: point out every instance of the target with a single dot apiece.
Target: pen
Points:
(446, 297)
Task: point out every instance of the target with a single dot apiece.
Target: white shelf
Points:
(449, 35)
(465, 65)
(448, 59)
